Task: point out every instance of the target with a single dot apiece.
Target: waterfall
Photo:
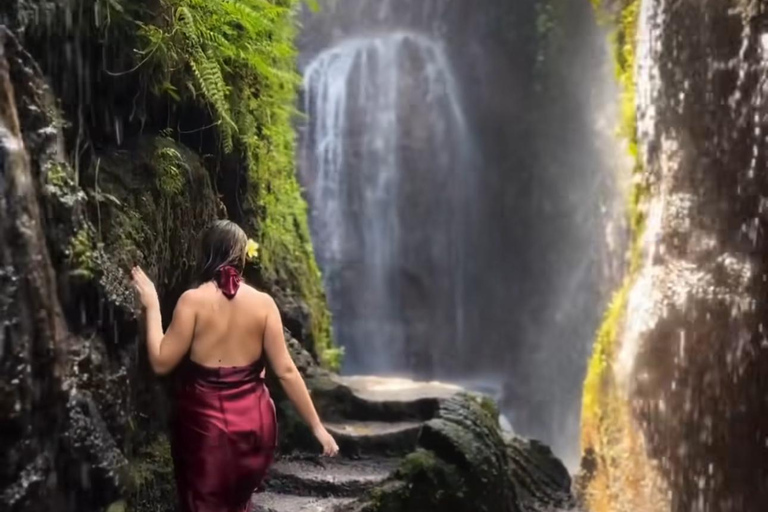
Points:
(461, 174)
(386, 161)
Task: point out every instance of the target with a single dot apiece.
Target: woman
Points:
(224, 431)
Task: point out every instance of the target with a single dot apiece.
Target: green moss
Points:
(423, 482)
(603, 354)
(624, 39)
(118, 506)
(331, 356)
(489, 405)
(150, 481)
(420, 462)
(234, 61)
(623, 15)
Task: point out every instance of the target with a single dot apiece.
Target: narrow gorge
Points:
(518, 247)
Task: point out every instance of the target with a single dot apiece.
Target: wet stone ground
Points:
(370, 451)
(377, 422)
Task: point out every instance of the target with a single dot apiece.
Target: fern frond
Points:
(211, 83)
(185, 21)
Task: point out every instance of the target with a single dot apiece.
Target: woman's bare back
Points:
(228, 332)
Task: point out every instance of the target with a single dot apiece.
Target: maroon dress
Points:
(224, 435)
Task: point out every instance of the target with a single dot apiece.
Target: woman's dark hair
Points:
(223, 244)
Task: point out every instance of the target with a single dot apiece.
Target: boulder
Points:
(462, 461)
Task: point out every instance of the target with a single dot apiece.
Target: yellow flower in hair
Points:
(251, 250)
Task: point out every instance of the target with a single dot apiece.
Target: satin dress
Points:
(223, 436)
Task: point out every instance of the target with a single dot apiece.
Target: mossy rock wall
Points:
(674, 417)
(103, 169)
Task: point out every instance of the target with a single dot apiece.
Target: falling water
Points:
(387, 164)
(460, 192)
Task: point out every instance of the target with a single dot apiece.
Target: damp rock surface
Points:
(273, 502)
(456, 456)
(676, 417)
(92, 184)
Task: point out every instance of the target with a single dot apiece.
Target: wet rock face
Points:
(33, 332)
(78, 405)
(82, 419)
(693, 355)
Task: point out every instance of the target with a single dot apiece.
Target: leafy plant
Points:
(237, 59)
(169, 165)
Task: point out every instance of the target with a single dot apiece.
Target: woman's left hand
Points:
(145, 287)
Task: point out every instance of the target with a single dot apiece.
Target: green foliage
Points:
(623, 15)
(332, 357)
(624, 46)
(81, 253)
(238, 60)
(57, 175)
(169, 163)
(235, 60)
(234, 57)
(603, 354)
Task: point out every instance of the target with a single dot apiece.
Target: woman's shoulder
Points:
(256, 295)
(192, 295)
(198, 294)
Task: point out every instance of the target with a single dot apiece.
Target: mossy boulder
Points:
(423, 482)
(151, 198)
(465, 462)
(465, 435)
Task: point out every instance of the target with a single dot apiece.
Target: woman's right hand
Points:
(330, 448)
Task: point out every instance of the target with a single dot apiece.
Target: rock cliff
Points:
(99, 172)
(675, 412)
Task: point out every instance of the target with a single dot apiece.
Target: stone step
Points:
(338, 477)
(275, 502)
(375, 438)
(371, 398)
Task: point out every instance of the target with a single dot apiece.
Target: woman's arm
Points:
(165, 350)
(291, 380)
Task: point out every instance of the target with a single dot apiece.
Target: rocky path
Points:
(375, 421)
